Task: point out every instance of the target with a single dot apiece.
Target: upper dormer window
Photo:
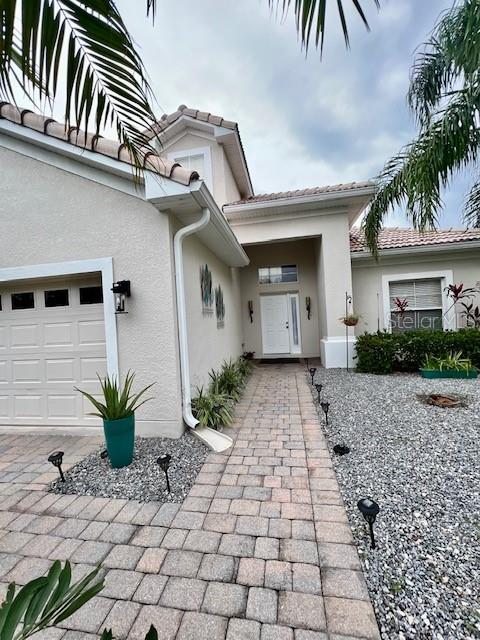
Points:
(199, 160)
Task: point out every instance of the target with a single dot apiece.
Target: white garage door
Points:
(52, 338)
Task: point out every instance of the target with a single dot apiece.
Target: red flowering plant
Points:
(401, 305)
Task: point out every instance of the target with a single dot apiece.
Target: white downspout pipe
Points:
(178, 239)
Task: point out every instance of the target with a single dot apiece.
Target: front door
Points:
(276, 324)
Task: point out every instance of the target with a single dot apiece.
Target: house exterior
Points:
(214, 270)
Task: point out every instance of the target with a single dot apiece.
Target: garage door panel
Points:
(60, 370)
(58, 334)
(24, 335)
(62, 406)
(45, 352)
(91, 332)
(90, 367)
(29, 406)
(30, 371)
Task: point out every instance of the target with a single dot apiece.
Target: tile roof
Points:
(298, 193)
(395, 238)
(203, 116)
(95, 143)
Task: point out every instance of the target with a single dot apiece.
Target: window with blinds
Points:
(424, 308)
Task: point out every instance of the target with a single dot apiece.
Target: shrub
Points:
(386, 352)
(212, 409)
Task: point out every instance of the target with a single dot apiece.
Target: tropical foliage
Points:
(83, 48)
(452, 361)
(444, 97)
(119, 401)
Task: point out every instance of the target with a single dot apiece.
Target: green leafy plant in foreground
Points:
(120, 402)
(212, 409)
(453, 361)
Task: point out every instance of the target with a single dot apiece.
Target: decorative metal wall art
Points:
(206, 288)
(219, 306)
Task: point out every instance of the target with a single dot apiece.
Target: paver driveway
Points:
(260, 550)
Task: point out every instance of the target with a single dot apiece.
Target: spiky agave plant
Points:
(120, 402)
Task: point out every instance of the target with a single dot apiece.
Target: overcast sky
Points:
(304, 121)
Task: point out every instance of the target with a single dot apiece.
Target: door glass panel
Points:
(91, 295)
(23, 301)
(56, 298)
(293, 301)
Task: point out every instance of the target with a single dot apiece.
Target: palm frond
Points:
(472, 205)
(310, 17)
(106, 82)
(415, 176)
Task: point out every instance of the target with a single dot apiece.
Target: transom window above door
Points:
(416, 305)
(276, 275)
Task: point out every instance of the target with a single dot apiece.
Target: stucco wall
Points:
(208, 344)
(224, 188)
(50, 215)
(301, 253)
(367, 279)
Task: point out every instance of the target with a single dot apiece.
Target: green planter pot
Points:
(432, 373)
(120, 439)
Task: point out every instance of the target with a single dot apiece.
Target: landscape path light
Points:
(369, 510)
(325, 408)
(312, 372)
(56, 458)
(164, 463)
(341, 449)
(319, 388)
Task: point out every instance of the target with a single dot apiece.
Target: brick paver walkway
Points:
(260, 550)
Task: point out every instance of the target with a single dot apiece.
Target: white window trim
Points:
(78, 267)
(206, 152)
(449, 320)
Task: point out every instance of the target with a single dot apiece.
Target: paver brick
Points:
(165, 515)
(225, 599)
(181, 563)
(117, 533)
(92, 552)
(174, 538)
(14, 541)
(351, 617)
(303, 634)
(301, 610)
(252, 525)
(165, 619)
(128, 512)
(122, 556)
(241, 507)
(66, 549)
(151, 560)
(188, 520)
(7, 562)
(146, 513)
(197, 625)
(196, 504)
(42, 524)
(27, 569)
(222, 523)
(303, 530)
(93, 530)
(337, 532)
(90, 617)
(150, 589)
(278, 575)
(233, 544)
(299, 551)
(183, 593)
(306, 578)
(262, 604)
(279, 528)
(70, 528)
(229, 493)
(251, 572)
(148, 536)
(220, 505)
(204, 541)
(239, 629)
(121, 584)
(121, 618)
(276, 632)
(267, 548)
(341, 556)
(343, 583)
(217, 567)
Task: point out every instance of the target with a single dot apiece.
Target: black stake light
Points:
(56, 458)
(312, 372)
(164, 462)
(325, 408)
(369, 510)
(319, 388)
(341, 449)
(104, 454)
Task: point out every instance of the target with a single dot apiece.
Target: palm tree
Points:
(444, 96)
(84, 47)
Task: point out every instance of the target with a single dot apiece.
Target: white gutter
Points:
(179, 237)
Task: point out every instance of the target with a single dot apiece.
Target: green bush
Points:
(388, 352)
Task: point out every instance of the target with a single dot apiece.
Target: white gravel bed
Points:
(142, 480)
(422, 465)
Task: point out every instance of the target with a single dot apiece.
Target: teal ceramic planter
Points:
(120, 439)
(432, 373)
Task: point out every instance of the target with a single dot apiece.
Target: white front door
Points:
(276, 324)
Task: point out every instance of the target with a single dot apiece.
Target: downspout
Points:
(178, 239)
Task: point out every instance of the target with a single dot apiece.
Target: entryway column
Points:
(334, 278)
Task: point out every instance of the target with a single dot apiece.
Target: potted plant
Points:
(350, 319)
(451, 366)
(118, 414)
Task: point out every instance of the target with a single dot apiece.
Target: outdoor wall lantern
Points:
(56, 458)
(164, 463)
(250, 309)
(319, 388)
(121, 291)
(369, 510)
(308, 305)
(325, 408)
(312, 371)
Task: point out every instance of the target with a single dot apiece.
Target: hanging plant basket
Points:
(350, 321)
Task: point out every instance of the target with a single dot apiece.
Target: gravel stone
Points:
(420, 463)
(142, 480)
